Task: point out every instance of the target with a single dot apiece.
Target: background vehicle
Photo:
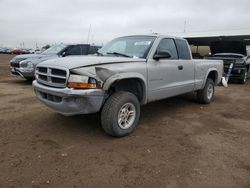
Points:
(24, 65)
(128, 72)
(18, 51)
(3, 50)
(232, 52)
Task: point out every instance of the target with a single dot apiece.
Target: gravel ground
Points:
(178, 143)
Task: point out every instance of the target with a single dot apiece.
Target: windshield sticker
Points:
(142, 43)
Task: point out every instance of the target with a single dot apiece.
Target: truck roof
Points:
(156, 35)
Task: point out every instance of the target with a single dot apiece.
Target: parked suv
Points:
(24, 65)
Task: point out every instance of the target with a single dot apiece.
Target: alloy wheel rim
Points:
(210, 91)
(126, 116)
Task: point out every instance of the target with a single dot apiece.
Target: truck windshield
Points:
(132, 46)
(54, 49)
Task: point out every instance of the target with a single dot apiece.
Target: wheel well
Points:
(247, 68)
(132, 85)
(213, 75)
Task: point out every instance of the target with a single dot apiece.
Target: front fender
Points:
(122, 76)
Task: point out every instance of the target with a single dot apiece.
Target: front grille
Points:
(52, 76)
(42, 69)
(229, 61)
(13, 64)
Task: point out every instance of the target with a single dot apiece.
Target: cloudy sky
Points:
(54, 21)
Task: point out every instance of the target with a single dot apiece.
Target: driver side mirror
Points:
(64, 54)
(162, 54)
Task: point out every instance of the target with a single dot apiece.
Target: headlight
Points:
(240, 61)
(18, 60)
(81, 82)
(26, 66)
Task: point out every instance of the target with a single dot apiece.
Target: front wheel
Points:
(206, 95)
(29, 79)
(120, 114)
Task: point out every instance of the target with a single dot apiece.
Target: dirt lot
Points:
(178, 143)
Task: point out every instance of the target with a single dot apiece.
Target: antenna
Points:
(89, 33)
(185, 25)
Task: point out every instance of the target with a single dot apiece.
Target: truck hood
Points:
(26, 56)
(39, 59)
(31, 57)
(83, 61)
(235, 47)
(228, 55)
(229, 58)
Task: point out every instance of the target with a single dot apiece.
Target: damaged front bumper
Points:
(18, 72)
(68, 101)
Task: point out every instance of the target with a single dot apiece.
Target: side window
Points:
(168, 45)
(74, 50)
(85, 49)
(183, 49)
(92, 49)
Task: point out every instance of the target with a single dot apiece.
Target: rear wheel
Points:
(206, 95)
(120, 114)
(243, 78)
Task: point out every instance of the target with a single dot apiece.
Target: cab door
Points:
(165, 75)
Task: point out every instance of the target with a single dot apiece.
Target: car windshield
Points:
(54, 49)
(132, 46)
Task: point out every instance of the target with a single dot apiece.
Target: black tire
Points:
(29, 79)
(112, 108)
(243, 76)
(204, 96)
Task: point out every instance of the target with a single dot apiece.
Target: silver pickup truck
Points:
(126, 73)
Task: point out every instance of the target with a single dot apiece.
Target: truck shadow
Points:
(16, 81)
(90, 125)
(166, 107)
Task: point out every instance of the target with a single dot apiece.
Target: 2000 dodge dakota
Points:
(126, 73)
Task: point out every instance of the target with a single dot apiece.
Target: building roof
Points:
(205, 38)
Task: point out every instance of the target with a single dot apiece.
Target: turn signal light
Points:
(76, 85)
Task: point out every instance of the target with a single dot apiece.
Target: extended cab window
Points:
(93, 49)
(183, 49)
(168, 45)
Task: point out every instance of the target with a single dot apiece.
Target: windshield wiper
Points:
(118, 54)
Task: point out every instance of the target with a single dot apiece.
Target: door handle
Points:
(180, 67)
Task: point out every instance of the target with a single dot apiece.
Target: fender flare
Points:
(122, 76)
(208, 72)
